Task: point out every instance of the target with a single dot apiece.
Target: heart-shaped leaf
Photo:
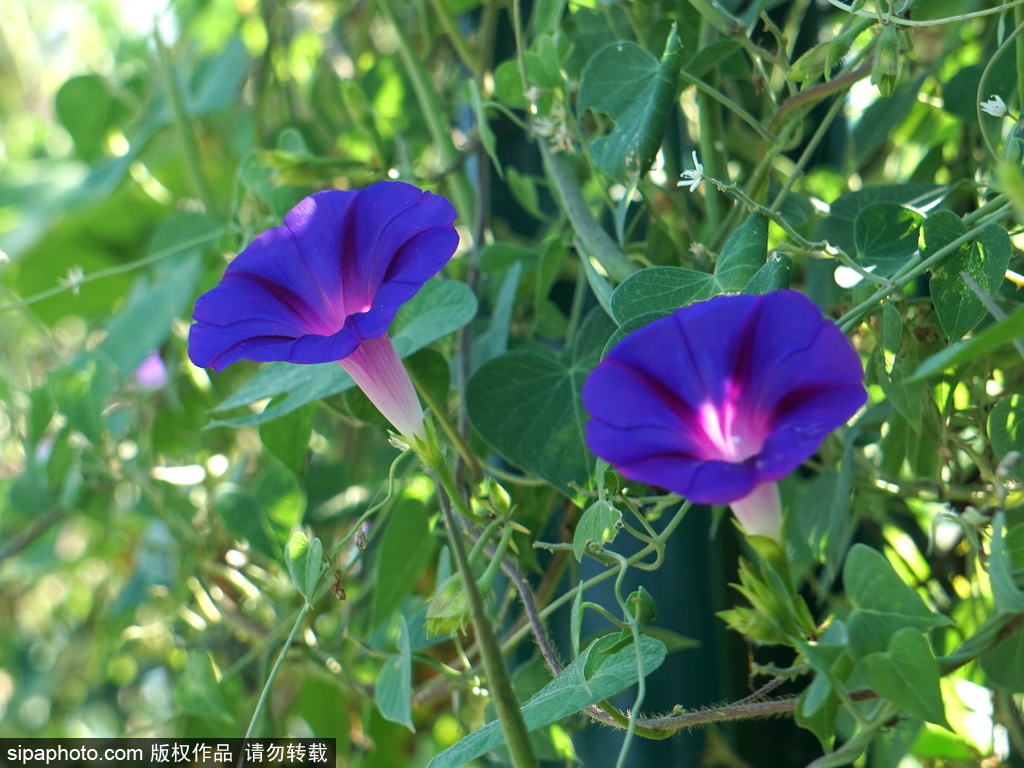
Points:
(637, 92)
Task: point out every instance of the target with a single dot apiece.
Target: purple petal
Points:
(334, 274)
(723, 396)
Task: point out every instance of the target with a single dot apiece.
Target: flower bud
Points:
(448, 612)
(888, 65)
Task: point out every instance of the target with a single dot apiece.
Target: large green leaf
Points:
(600, 672)
(886, 235)
(287, 437)
(883, 602)
(958, 307)
(637, 92)
(907, 674)
(527, 404)
(441, 307)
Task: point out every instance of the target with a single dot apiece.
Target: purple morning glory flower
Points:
(724, 397)
(325, 285)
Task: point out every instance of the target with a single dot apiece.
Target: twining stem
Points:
(277, 665)
(517, 737)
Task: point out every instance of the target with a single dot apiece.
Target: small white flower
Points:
(692, 178)
(4, 258)
(74, 279)
(995, 106)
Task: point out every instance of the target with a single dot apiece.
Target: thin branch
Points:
(33, 533)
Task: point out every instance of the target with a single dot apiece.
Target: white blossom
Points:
(995, 106)
(74, 279)
(692, 178)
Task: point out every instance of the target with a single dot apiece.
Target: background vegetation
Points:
(146, 505)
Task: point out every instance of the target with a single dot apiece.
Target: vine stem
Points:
(911, 270)
(517, 736)
(277, 665)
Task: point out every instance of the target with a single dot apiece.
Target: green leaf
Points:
(145, 322)
(637, 92)
(406, 549)
(86, 107)
(607, 673)
(394, 683)
(245, 518)
(660, 290)
(1006, 565)
(710, 56)
(907, 397)
(1006, 431)
(197, 690)
(265, 516)
(599, 523)
(1004, 664)
(524, 190)
(304, 559)
(287, 437)
(527, 404)
(441, 307)
(216, 83)
(892, 331)
(81, 395)
(483, 127)
(818, 703)
(743, 254)
(494, 341)
(993, 337)
(880, 119)
(883, 603)
(917, 195)
(907, 674)
(959, 309)
(823, 515)
(774, 275)
(886, 237)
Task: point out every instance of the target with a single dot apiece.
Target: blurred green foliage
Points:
(161, 528)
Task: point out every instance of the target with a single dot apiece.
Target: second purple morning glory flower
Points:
(724, 397)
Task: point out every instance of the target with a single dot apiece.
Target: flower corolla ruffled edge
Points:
(325, 285)
(723, 398)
